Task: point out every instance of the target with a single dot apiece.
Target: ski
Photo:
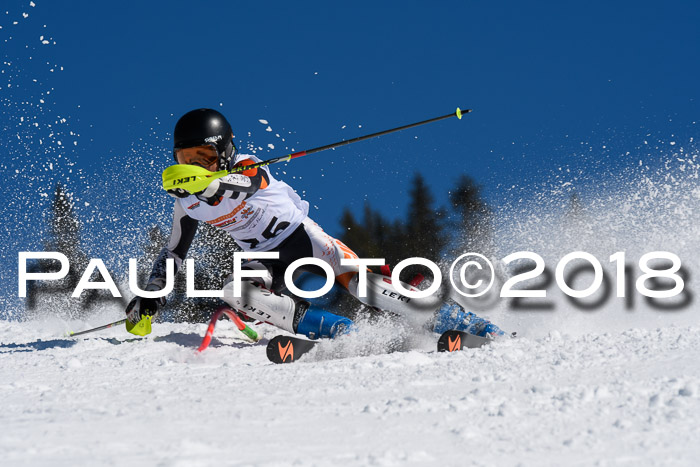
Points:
(452, 341)
(288, 349)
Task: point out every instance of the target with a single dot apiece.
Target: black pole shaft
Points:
(458, 113)
(382, 133)
(106, 326)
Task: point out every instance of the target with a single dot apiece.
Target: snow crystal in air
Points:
(263, 121)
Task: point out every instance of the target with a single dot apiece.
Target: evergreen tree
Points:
(368, 239)
(425, 235)
(212, 251)
(426, 232)
(156, 241)
(472, 222)
(575, 209)
(361, 237)
(64, 231)
(577, 225)
(64, 237)
(421, 234)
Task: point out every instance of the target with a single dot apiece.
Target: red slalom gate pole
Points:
(244, 328)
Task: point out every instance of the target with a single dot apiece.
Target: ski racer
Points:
(264, 214)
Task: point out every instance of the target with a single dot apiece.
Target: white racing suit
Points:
(265, 214)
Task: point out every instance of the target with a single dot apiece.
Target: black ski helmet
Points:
(202, 127)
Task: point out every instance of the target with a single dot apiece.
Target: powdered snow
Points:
(618, 398)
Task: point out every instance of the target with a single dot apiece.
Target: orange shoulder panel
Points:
(251, 172)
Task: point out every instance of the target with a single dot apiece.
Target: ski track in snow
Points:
(620, 398)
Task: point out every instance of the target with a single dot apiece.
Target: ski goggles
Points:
(203, 156)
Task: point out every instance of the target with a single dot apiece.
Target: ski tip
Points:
(450, 341)
(280, 349)
(285, 349)
(453, 341)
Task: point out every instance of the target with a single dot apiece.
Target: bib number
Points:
(272, 230)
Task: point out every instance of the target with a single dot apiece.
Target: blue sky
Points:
(553, 85)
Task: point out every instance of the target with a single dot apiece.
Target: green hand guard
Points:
(142, 328)
(191, 178)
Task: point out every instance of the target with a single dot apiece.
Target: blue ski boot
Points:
(316, 324)
(451, 316)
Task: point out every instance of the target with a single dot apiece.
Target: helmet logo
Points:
(213, 139)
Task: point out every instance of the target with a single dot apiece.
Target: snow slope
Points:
(619, 398)
(616, 385)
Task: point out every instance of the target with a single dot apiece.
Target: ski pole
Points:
(193, 178)
(106, 326)
(458, 113)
